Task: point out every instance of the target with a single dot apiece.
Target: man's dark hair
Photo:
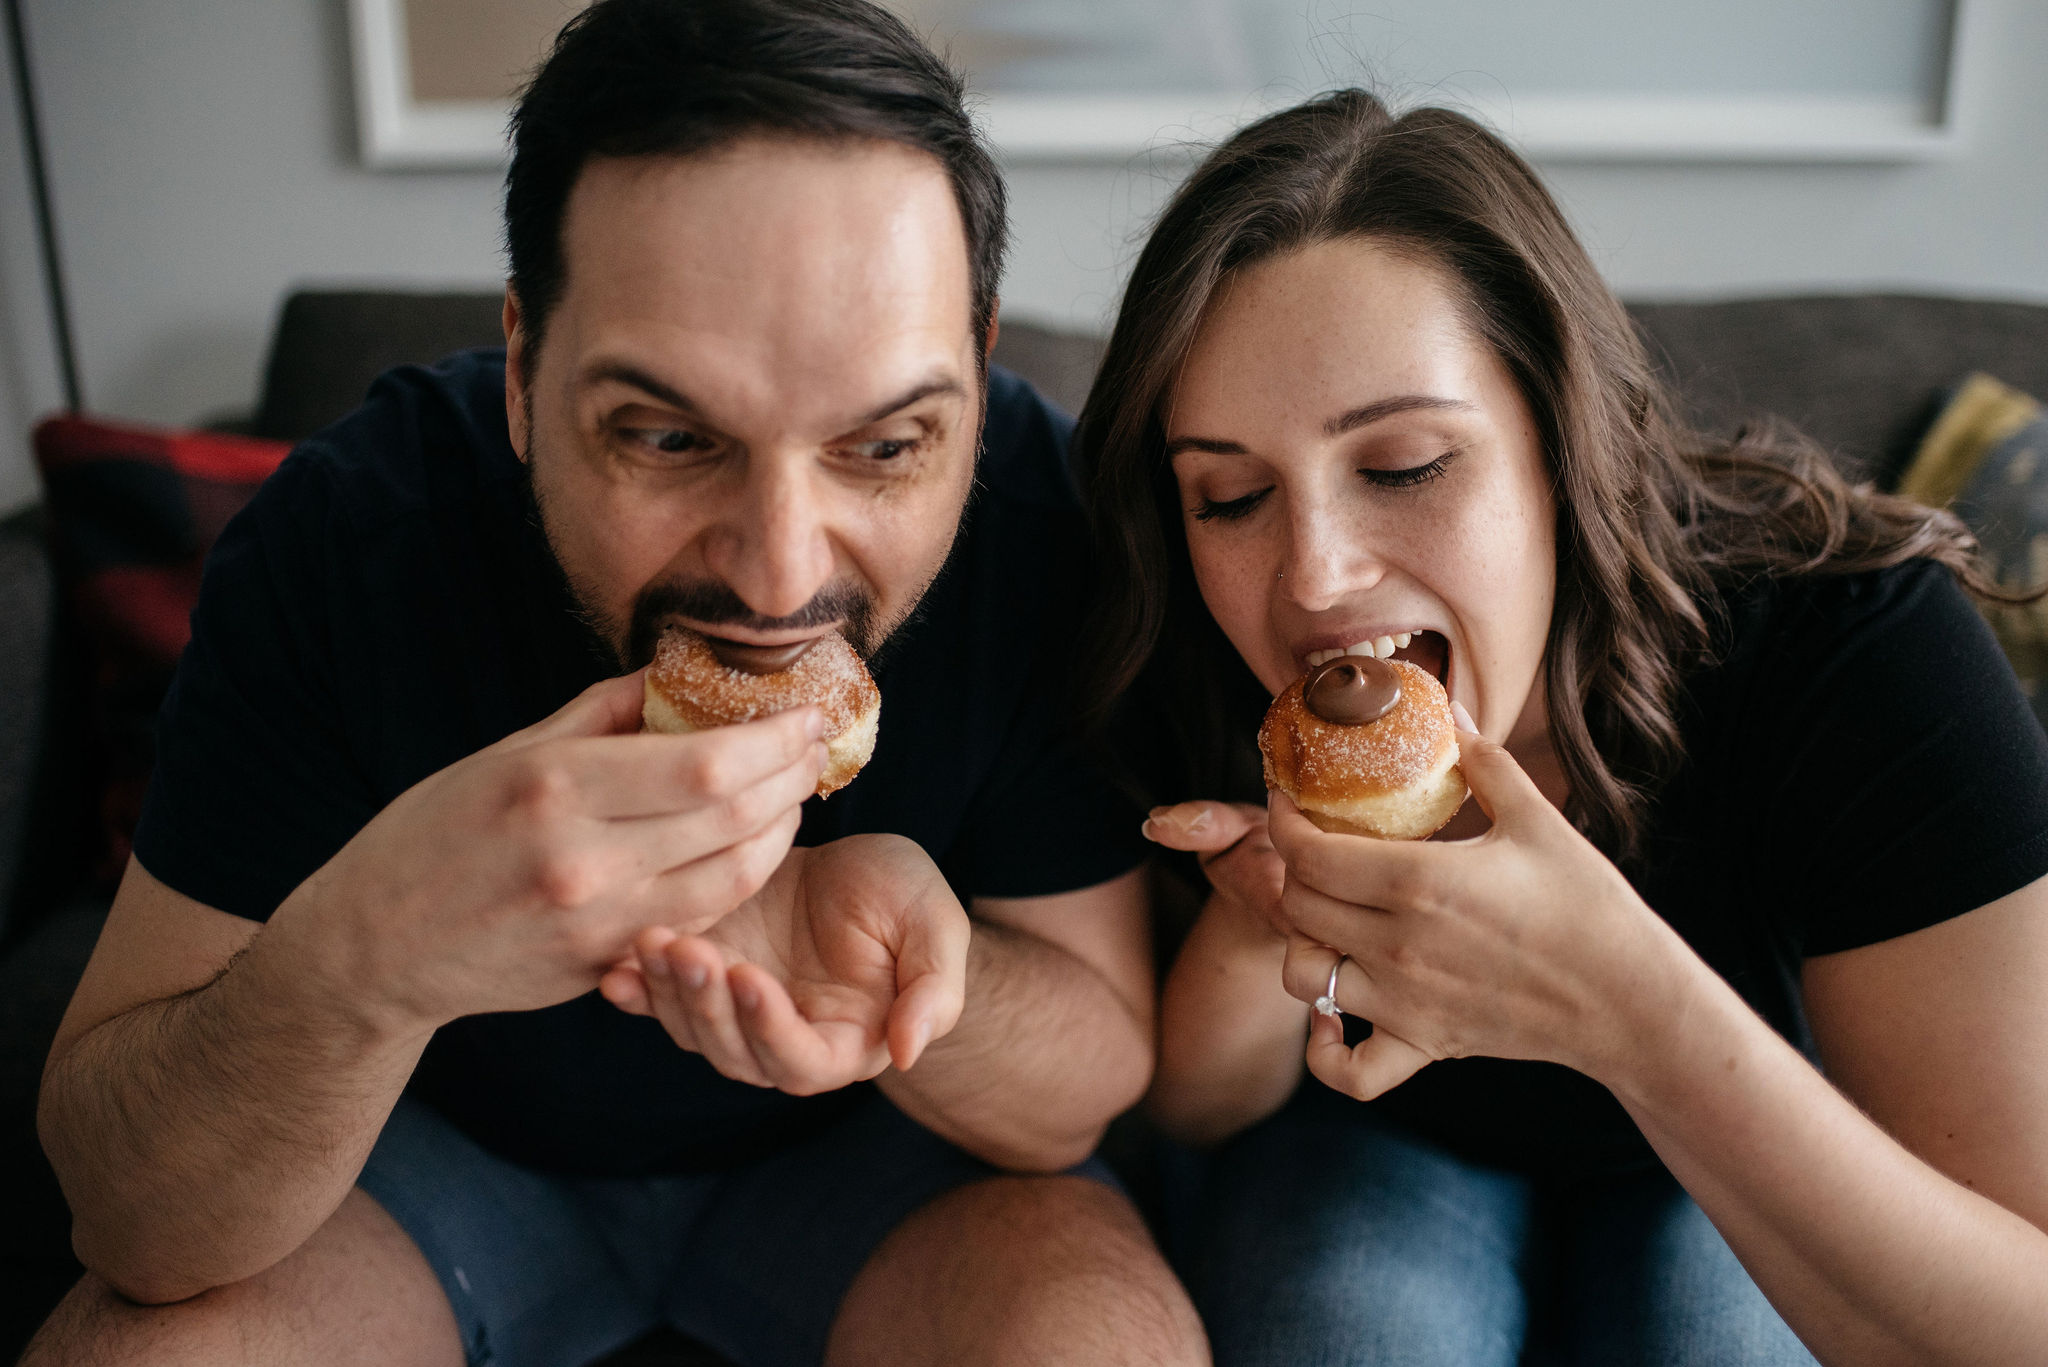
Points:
(641, 77)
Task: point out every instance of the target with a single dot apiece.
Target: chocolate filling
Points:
(1352, 690)
(758, 659)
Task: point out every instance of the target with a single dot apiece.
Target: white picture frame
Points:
(398, 132)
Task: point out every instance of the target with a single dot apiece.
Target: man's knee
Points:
(358, 1291)
(95, 1326)
(1025, 1269)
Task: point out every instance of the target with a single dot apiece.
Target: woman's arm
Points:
(1914, 1246)
(1912, 1233)
(1229, 1035)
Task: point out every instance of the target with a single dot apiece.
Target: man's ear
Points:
(995, 328)
(515, 374)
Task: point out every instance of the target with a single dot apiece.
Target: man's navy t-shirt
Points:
(387, 605)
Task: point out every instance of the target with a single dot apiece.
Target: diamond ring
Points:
(1326, 1005)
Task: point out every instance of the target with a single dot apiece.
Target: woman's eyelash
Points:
(1209, 510)
(1413, 475)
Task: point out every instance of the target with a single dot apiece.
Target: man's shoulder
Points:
(1025, 443)
(424, 439)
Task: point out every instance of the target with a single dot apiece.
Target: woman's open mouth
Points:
(1425, 649)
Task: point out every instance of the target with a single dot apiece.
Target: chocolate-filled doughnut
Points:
(696, 683)
(1366, 746)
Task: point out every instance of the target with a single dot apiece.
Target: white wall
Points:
(204, 162)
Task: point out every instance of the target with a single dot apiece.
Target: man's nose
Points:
(772, 547)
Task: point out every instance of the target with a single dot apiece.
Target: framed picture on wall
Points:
(435, 79)
(1088, 80)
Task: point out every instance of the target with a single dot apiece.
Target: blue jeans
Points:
(546, 1270)
(1326, 1238)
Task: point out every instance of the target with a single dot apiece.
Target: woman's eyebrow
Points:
(1362, 416)
(1215, 445)
(1366, 414)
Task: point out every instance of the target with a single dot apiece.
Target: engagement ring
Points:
(1326, 1005)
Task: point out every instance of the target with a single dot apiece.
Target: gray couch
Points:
(1860, 373)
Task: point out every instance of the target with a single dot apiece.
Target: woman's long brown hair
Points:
(1654, 522)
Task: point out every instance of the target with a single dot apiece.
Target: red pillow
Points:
(132, 512)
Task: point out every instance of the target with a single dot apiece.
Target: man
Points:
(337, 1087)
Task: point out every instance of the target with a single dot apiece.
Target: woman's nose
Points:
(1325, 562)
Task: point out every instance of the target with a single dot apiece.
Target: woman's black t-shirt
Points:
(1860, 764)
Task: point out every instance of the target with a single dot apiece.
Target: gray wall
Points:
(203, 154)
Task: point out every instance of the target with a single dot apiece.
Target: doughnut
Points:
(1366, 746)
(696, 683)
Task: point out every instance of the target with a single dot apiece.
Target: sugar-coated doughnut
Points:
(1366, 746)
(694, 685)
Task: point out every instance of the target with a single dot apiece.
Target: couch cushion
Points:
(25, 604)
(132, 512)
(1986, 457)
(330, 344)
(1859, 373)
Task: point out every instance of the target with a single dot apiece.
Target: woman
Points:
(1753, 791)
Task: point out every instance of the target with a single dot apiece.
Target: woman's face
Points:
(1357, 466)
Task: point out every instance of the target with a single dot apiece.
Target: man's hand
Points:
(513, 879)
(852, 957)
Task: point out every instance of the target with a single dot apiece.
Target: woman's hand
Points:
(1230, 842)
(1524, 942)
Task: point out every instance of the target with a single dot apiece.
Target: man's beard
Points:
(711, 603)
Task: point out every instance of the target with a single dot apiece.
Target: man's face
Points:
(756, 408)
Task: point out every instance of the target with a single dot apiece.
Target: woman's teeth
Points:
(1382, 646)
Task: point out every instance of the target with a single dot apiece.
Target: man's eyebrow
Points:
(1367, 414)
(926, 388)
(619, 372)
(632, 376)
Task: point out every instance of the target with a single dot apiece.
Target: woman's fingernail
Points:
(1146, 829)
(696, 975)
(1463, 718)
(747, 997)
(814, 725)
(656, 964)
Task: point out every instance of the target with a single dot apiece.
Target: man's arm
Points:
(1056, 1039)
(217, 1084)
(196, 1042)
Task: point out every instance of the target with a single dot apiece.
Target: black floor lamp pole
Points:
(46, 223)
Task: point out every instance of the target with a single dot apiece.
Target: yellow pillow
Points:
(1986, 457)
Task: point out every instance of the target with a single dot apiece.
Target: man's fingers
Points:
(799, 1056)
(603, 709)
(931, 973)
(926, 1009)
(659, 844)
(626, 988)
(656, 775)
(703, 1000)
(1363, 1071)
(696, 896)
(1203, 827)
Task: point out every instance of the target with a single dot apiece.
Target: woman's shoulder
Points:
(1879, 744)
